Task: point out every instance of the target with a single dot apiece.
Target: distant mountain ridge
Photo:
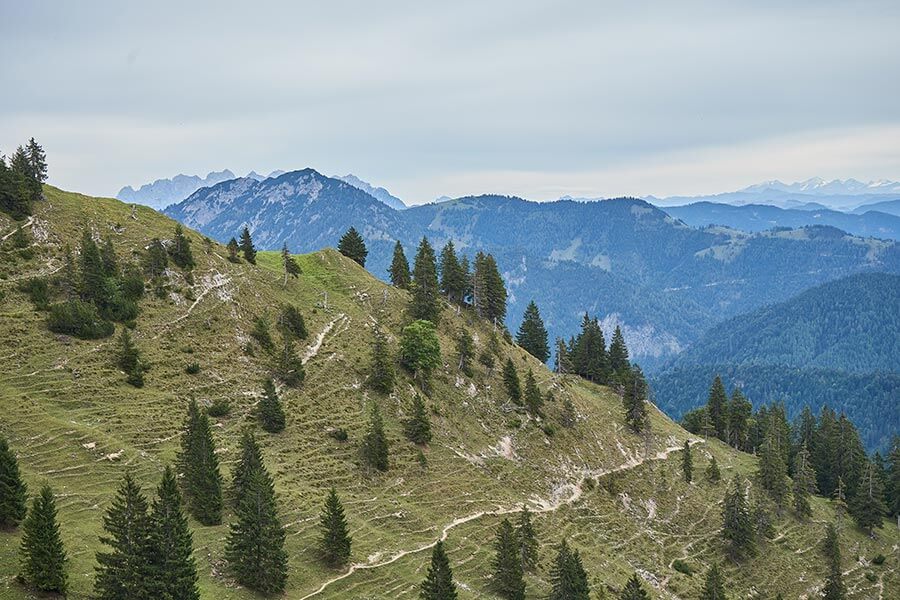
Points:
(379, 193)
(163, 192)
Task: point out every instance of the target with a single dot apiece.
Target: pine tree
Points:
(714, 586)
(155, 260)
(739, 413)
(567, 577)
(399, 270)
(246, 246)
(128, 358)
(716, 408)
(91, 284)
(335, 542)
(488, 289)
(374, 449)
(465, 349)
(635, 402)
(438, 584)
(255, 546)
(271, 415)
(291, 323)
(289, 264)
(425, 289)
(867, 504)
(199, 466)
(108, 260)
(534, 401)
(712, 470)
(453, 281)
(16, 190)
(834, 583)
(43, 556)
(773, 470)
(289, 368)
(180, 250)
(562, 362)
(381, 375)
(233, 250)
(737, 527)
(634, 590)
(174, 573)
(527, 537)
(508, 575)
(249, 460)
(126, 570)
(511, 381)
(687, 462)
(418, 427)
(37, 162)
(532, 335)
(618, 353)
(804, 483)
(13, 491)
(353, 247)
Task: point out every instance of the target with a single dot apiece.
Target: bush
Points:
(682, 567)
(192, 369)
(878, 560)
(871, 577)
(219, 408)
(340, 434)
(38, 292)
(78, 319)
(261, 333)
(291, 322)
(548, 429)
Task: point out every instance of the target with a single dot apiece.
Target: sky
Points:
(536, 99)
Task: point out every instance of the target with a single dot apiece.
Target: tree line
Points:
(21, 178)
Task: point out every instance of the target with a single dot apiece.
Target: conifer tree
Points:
(255, 547)
(567, 577)
(199, 466)
(453, 280)
(108, 260)
(773, 470)
(43, 556)
(508, 576)
(13, 491)
(739, 413)
(425, 289)
(438, 584)
(233, 250)
(532, 335)
(893, 491)
(289, 264)
(374, 449)
(353, 247)
(91, 284)
(716, 408)
(420, 349)
(867, 504)
(714, 586)
(465, 349)
(488, 289)
(834, 583)
(804, 483)
(562, 362)
(155, 260)
(246, 246)
(126, 570)
(634, 590)
(399, 270)
(618, 353)
(687, 462)
(291, 323)
(128, 358)
(737, 527)
(712, 470)
(527, 537)
(588, 351)
(69, 277)
(249, 460)
(37, 162)
(271, 415)
(534, 401)
(381, 375)
(289, 368)
(634, 400)
(511, 381)
(569, 415)
(335, 542)
(418, 427)
(174, 573)
(180, 250)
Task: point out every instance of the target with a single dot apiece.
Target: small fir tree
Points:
(527, 537)
(712, 470)
(43, 556)
(180, 250)
(108, 258)
(91, 283)
(834, 582)
(381, 375)
(634, 590)
(716, 407)
(687, 462)
(374, 449)
(772, 472)
(425, 288)
(867, 504)
(714, 586)
(508, 576)
(804, 483)
(569, 416)
(634, 400)
(438, 584)
(289, 264)
(418, 427)
(353, 247)
(567, 577)
(737, 523)
(247, 247)
(199, 466)
(511, 381)
(249, 461)
(465, 350)
(532, 396)
(128, 358)
(453, 281)
(532, 335)
(399, 270)
(174, 571)
(289, 368)
(37, 163)
(156, 259)
(13, 491)
(335, 541)
(233, 251)
(291, 323)
(271, 415)
(261, 334)
(618, 353)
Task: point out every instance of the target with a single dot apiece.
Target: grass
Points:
(77, 425)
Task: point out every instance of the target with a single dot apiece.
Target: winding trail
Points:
(214, 280)
(542, 506)
(27, 223)
(312, 350)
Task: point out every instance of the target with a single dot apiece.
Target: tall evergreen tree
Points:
(336, 541)
(155, 260)
(233, 251)
(453, 281)
(438, 584)
(527, 537)
(126, 570)
(773, 470)
(635, 402)
(255, 546)
(399, 271)
(714, 586)
(834, 583)
(567, 576)
(739, 413)
(43, 556)
(716, 407)
(712, 470)
(634, 590)
(588, 351)
(13, 491)
(488, 289)
(289, 264)
(37, 162)
(425, 289)
(247, 247)
(511, 381)
(381, 375)
(128, 358)
(174, 573)
(618, 353)
(289, 367)
(108, 260)
(534, 401)
(249, 460)
(867, 503)
(418, 427)
(804, 483)
(532, 335)
(199, 466)
(271, 415)
(374, 448)
(353, 247)
(687, 462)
(737, 524)
(180, 250)
(508, 576)
(465, 349)
(562, 362)
(91, 283)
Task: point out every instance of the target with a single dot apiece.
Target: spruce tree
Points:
(634, 590)
(567, 576)
(249, 460)
(155, 260)
(737, 524)
(271, 415)
(488, 289)
(381, 375)
(374, 448)
(399, 270)
(289, 264)
(37, 162)
(246, 246)
(128, 358)
(804, 483)
(438, 584)
(91, 283)
(532, 335)
(453, 281)
(418, 427)
(43, 556)
(534, 401)
(687, 462)
(618, 353)
(289, 368)
(634, 400)
(291, 323)
(174, 573)
(562, 362)
(867, 504)
(425, 289)
(527, 537)
(69, 277)
(180, 250)
(834, 582)
(511, 381)
(13, 491)
(772, 472)
(126, 570)
(199, 466)
(569, 416)
(716, 407)
(465, 349)
(739, 413)
(255, 546)
(714, 586)
(712, 470)
(233, 251)
(335, 541)
(508, 576)
(108, 260)
(353, 247)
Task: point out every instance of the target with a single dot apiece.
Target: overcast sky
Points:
(453, 98)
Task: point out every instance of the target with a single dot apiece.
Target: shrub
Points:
(78, 319)
(548, 429)
(682, 567)
(261, 334)
(340, 434)
(219, 408)
(192, 369)
(38, 292)
(291, 322)
(878, 560)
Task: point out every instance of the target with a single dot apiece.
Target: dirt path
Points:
(211, 281)
(23, 226)
(542, 506)
(312, 350)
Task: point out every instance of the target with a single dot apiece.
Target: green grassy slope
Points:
(618, 497)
